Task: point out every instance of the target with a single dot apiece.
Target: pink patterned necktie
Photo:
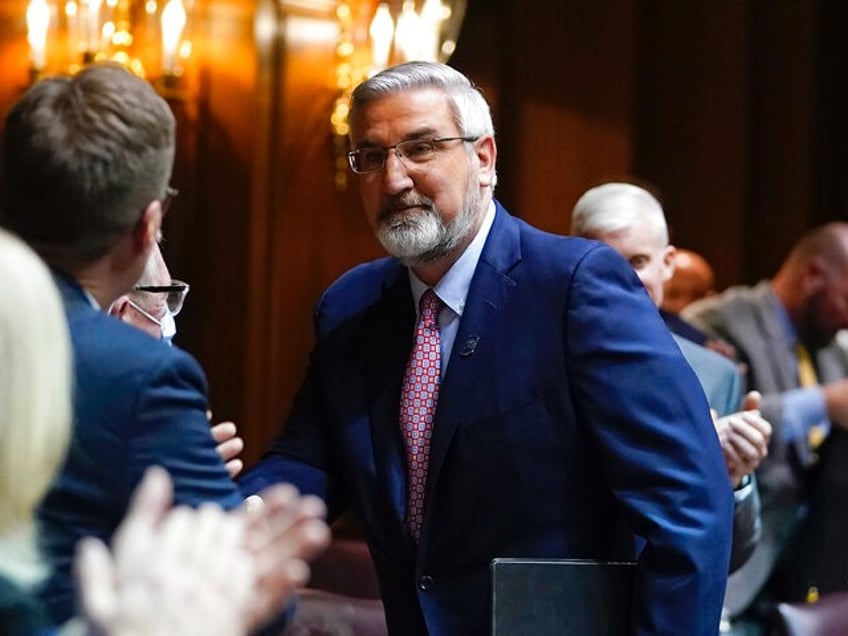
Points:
(418, 399)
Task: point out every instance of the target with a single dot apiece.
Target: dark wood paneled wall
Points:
(563, 98)
(692, 141)
(732, 111)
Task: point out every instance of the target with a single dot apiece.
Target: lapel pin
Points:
(469, 346)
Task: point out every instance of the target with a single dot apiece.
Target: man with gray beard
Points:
(490, 390)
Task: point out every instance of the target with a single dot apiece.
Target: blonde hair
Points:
(35, 400)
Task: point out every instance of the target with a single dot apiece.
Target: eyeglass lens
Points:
(373, 158)
(176, 293)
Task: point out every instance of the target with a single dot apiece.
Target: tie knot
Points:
(430, 304)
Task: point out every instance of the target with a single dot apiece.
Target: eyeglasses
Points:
(166, 201)
(177, 291)
(372, 158)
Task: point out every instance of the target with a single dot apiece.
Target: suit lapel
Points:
(779, 349)
(490, 292)
(783, 361)
(831, 363)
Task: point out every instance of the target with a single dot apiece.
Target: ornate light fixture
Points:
(373, 37)
(150, 37)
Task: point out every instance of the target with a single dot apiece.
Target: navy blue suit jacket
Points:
(137, 402)
(567, 422)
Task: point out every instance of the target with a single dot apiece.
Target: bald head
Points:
(693, 279)
(828, 243)
(812, 283)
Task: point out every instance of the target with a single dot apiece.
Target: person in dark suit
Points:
(151, 307)
(785, 331)
(87, 160)
(631, 220)
(692, 278)
(153, 578)
(546, 411)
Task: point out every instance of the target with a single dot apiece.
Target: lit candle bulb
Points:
(37, 19)
(173, 22)
(431, 30)
(92, 28)
(72, 17)
(381, 30)
(407, 38)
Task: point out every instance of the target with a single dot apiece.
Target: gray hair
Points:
(614, 207)
(470, 110)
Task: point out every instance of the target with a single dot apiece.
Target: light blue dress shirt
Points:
(453, 288)
(803, 407)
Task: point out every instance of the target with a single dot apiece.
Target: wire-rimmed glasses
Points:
(368, 159)
(176, 292)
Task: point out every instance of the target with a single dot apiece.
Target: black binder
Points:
(561, 597)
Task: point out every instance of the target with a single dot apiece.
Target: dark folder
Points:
(561, 597)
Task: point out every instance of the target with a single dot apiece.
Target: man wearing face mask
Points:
(154, 303)
(152, 307)
(86, 166)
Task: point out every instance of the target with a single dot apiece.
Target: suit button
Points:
(425, 583)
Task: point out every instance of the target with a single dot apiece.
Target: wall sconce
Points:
(373, 37)
(149, 37)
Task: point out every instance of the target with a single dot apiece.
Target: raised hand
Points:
(285, 530)
(744, 438)
(172, 571)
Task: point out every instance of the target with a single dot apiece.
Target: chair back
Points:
(827, 617)
(319, 613)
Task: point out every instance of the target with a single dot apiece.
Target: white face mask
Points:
(169, 327)
(167, 324)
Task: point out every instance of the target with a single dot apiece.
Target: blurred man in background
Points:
(631, 221)
(785, 330)
(691, 280)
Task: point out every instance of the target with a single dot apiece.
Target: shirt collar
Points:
(453, 287)
(91, 299)
(783, 318)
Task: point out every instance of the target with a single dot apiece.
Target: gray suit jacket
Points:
(723, 388)
(746, 317)
(718, 376)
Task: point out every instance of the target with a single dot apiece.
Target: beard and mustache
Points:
(414, 231)
(817, 324)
